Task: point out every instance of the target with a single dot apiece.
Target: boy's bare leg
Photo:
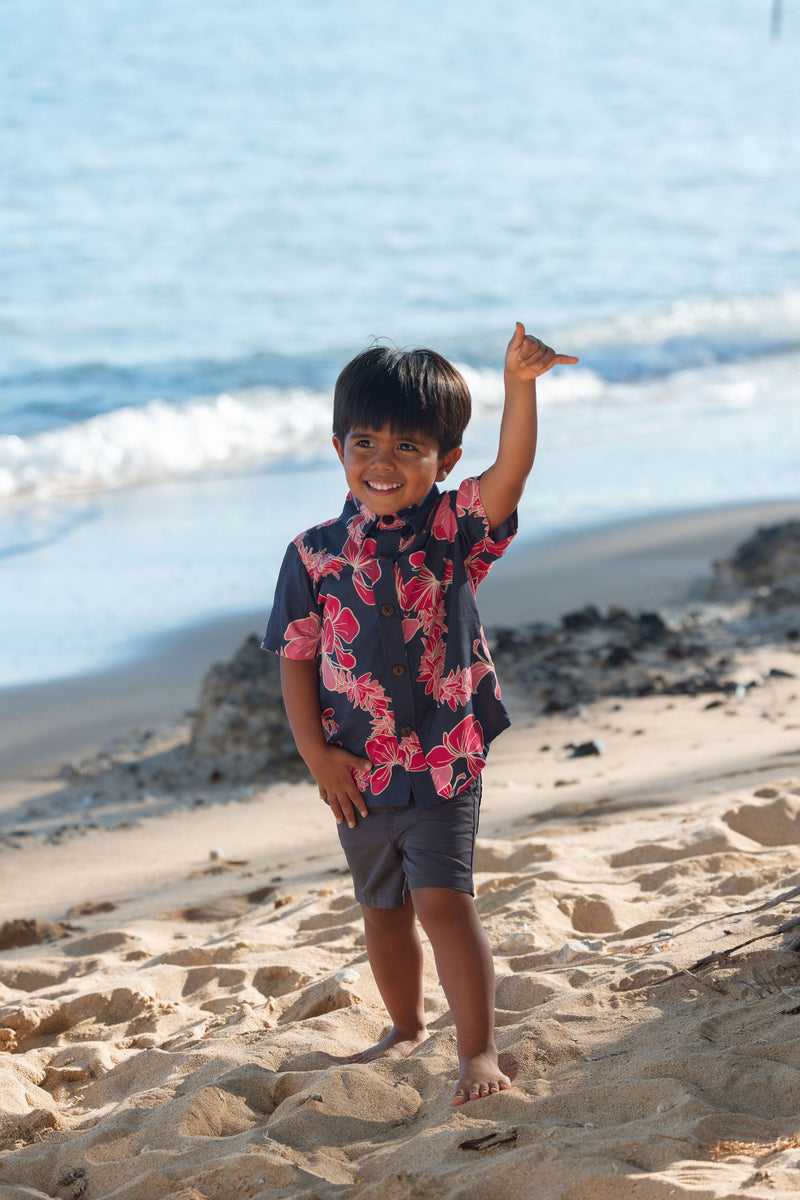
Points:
(395, 956)
(466, 972)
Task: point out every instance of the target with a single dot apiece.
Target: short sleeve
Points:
(483, 545)
(295, 626)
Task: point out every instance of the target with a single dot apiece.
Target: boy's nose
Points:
(383, 458)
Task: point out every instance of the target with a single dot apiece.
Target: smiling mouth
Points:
(382, 487)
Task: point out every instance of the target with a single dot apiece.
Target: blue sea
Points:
(208, 208)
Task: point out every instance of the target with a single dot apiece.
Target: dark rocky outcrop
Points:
(240, 732)
(766, 567)
(239, 727)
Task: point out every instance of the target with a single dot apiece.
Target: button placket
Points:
(390, 626)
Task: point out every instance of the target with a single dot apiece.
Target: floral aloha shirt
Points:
(388, 607)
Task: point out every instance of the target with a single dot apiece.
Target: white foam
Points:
(134, 446)
(159, 441)
(749, 322)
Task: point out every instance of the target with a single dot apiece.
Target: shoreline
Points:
(640, 563)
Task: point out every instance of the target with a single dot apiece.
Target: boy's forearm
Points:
(300, 687)
(331, 766)
(503, 483)
(518, 431)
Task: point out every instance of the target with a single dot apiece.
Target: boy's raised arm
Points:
(503, 483)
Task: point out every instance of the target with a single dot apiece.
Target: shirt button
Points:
(387, 609)
(383, 557)
(406, 731)
(398, 670)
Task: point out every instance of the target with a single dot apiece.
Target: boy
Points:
(386, 676)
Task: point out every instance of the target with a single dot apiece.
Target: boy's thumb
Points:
(518, 337)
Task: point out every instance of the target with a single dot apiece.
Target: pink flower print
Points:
(368, 694)
(432, 662)
(411, 627)
(329, 724)
(362, 779)
(302, 637)
(468, 499)
(318, 563)
(445, 525)
(384, 754)
(455, 689)
(361, 557)
(355, 526)
(481, 559)
(465, 741)
(483, 664)
(423, 593)
(339, 626)
(412, 754)
(433, 651)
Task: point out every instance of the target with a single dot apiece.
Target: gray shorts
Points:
(394, 849)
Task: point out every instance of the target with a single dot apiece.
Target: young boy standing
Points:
(387, 679)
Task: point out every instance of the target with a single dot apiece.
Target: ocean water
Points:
(207, 209)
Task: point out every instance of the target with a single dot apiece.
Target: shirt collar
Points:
(411, 519)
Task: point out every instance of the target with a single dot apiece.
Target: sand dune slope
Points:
(648, 992)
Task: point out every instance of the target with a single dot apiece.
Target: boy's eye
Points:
(407, 446)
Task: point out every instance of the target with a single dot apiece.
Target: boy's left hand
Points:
(527, 358)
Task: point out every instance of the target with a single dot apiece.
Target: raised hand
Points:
(527, 357)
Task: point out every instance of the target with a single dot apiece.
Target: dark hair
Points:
(408, 390)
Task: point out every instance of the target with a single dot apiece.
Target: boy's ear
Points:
(339, 448)
(447, 462)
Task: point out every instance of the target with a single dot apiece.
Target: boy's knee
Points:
(432, 903)
(387, 918)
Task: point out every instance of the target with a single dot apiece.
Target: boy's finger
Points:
(517, 337)
(360, 764)
(532, 349)
(567, 359)
(336, 809)
(347, 811)
(360, 803)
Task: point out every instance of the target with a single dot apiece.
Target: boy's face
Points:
(389, 471)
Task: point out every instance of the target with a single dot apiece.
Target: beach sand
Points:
(180, 1022)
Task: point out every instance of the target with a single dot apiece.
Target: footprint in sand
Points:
(510, 856)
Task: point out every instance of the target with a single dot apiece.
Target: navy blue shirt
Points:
(387, 607)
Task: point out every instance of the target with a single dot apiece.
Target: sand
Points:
(194, 981)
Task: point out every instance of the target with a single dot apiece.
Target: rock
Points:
(651, 627)
(619, 656)
(240, 728)
(767, 565)
(574, 949)
(518, 942)
(584, 618)
(587, 749)
(770, 556)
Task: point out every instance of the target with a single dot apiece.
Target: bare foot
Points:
(480, 1077)
(398, 1043)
